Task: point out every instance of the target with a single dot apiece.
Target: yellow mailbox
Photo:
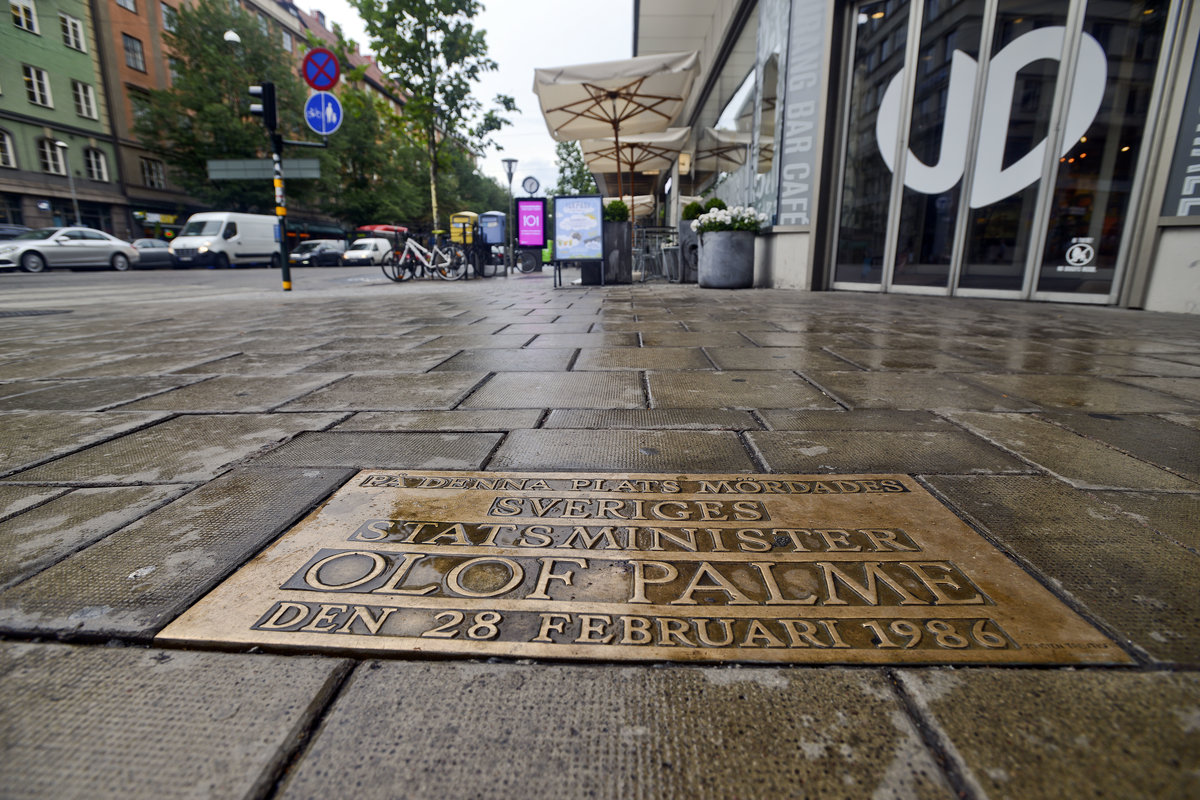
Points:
(462, 227)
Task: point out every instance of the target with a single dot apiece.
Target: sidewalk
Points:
(149, 450)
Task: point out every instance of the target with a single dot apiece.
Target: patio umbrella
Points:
(721, 150)
(610, 98)
(640, 152)
(640, 205)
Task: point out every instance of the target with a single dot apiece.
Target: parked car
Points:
(318, 253)
(75, 248)
(9, 231)
(368, 252)
(227, 239)
(154, 253)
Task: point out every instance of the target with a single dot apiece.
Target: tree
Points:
(206, 112)
(432, 49)
(573, 175)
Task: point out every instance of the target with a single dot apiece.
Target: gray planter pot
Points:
(689, 251)
(726, 260)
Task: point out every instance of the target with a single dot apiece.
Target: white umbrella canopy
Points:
(640, 205)
(615, 98)
(639, 152)
(721, 150)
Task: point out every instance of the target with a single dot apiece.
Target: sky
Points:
(523, 35)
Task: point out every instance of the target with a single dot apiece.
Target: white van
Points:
(225, 239)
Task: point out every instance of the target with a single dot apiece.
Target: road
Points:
(62, 289)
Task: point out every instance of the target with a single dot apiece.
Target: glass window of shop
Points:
(1013, 176)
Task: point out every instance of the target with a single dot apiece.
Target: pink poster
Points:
(531, 223)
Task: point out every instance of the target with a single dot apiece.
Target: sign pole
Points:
(281, 210)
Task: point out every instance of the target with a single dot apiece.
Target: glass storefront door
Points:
(990, 146)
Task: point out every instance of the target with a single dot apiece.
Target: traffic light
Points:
(266, 109)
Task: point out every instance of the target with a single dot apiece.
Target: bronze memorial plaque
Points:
(763, 568)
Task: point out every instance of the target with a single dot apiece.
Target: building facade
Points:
(57, 155)
(73, 76)
(1044, 150)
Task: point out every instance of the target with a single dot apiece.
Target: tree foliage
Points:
(432, 49)
(206, 112)
(573, 175)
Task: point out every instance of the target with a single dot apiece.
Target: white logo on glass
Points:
(1080, 254)
(992, 180)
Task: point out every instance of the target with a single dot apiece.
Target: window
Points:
(37, 86)
(139, 102)
(85, 100)
(8, 156)
(135, 57)
(287, 41)
(24, 15)
(153, 174)
(175, 67)
(128, 4)
(72, 31)
(97, 164)
(51, 157)
(262, 24)
(169, 17)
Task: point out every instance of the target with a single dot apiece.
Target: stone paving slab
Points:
(133, 723)
(256, 364)
(624, 358)
(652, 419)
(1149, 438)
(92, 395)
(807, 340)
(1138, 582)
(584, 340)
(914, 452)
(414, 392)
(525, 360)
(1176, 516)
(623, 451)
(557, 326)
(185, 449)
(901, 360)
(133, 582)
(735, 389)
(383, 359)
(1055, 734)
(152, 364)
(36, 539)
(638, 733)
(384, 449)
(913, 392)
(477, 341)
(867, 419)
(797, 358)
(1187, 388)
(31, 436)
(559, 390)
(482, 420)
(15, 499)
(1082, 392)
(681, 338)
(1080, 461)
(234, 393)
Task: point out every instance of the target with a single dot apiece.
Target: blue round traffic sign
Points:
(321, 69)
(323, 113)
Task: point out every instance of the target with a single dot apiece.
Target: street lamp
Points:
(510, 165)
(232, 37)
(62, 148)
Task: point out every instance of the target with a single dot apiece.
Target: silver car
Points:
(73, 248)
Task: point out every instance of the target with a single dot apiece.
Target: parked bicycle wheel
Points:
(456, 265)
(528, 260)
(398, 270)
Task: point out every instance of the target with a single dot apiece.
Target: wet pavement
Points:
(153, 443)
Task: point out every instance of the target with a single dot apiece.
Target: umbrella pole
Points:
(617, 141)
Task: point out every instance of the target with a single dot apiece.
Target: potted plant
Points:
(689, 245)
(727, 246)
(618, 243)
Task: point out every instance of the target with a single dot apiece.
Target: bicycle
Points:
(415, 261)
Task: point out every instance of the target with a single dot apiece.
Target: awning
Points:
(615, 98)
